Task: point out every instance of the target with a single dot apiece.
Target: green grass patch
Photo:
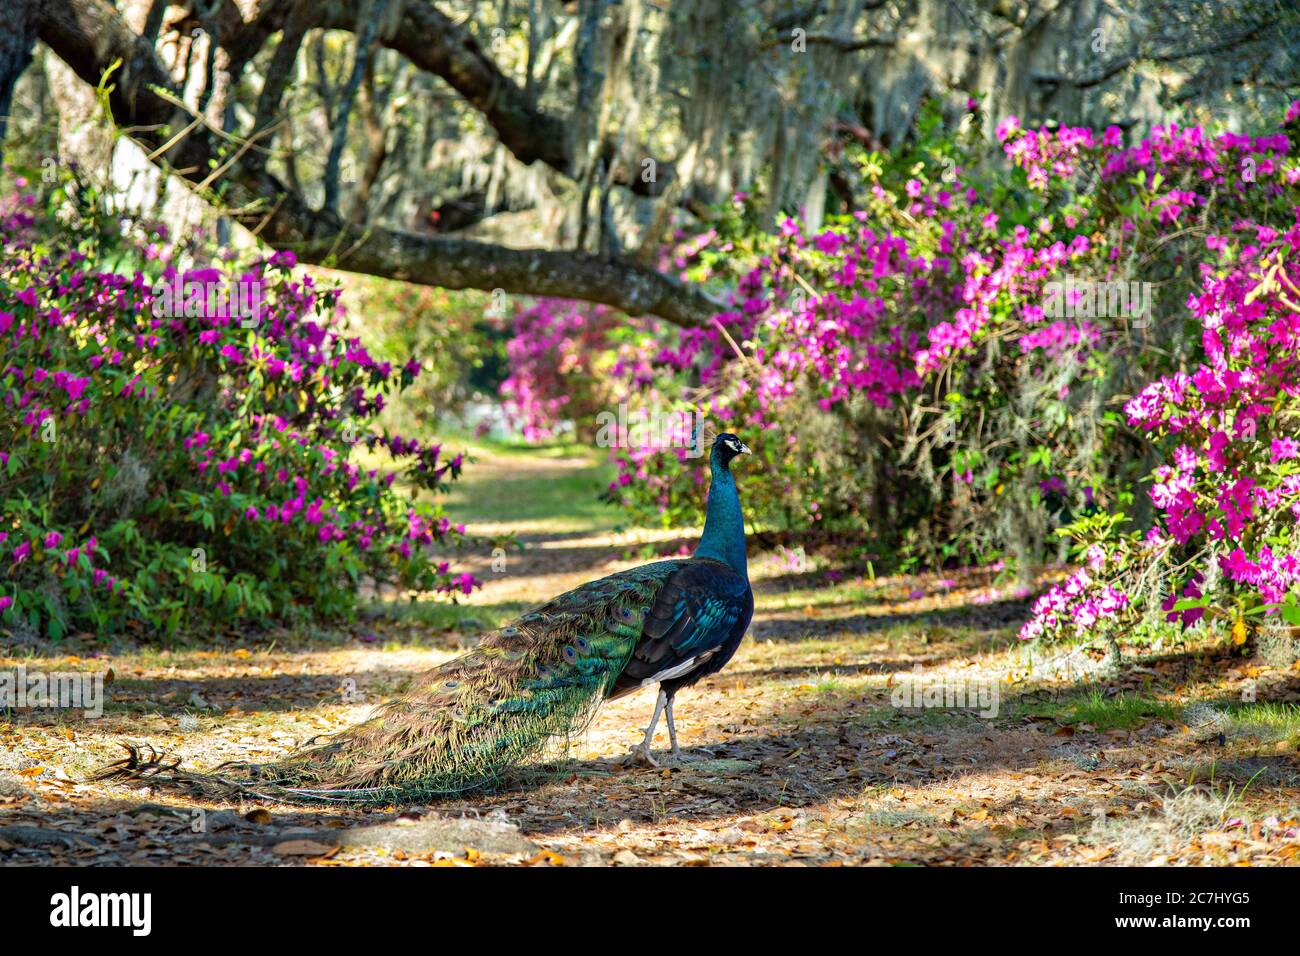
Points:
(821, 595)
(1268, 722)
(540, 489)
(560, 498)
(1121, 712)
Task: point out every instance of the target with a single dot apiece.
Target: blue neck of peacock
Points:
(724, 527)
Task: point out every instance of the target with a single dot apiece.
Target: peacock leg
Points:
(678, 756)
(641, 752)
(672, 729)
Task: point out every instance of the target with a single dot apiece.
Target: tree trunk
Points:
(17, 38)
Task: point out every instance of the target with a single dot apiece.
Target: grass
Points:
(535, 490)
(1268, 722)
(1095, 709)
(848, 593)
(1182, 816)
(1122, 712)
(512, 487)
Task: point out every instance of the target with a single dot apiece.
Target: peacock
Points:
(464, 725)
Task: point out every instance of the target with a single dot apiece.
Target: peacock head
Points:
(726, 447)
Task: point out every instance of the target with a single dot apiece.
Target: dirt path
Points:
(827, 740)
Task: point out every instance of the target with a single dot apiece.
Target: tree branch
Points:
(365, 40)
(846, 43)
(17, 37)
(1117, 66)
(90, 36)
(280, 70)
(432, 41)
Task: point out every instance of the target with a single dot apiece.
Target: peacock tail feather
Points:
(464, 724)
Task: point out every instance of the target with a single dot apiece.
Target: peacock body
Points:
(464, 725)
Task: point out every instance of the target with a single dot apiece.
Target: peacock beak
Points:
(744, 449)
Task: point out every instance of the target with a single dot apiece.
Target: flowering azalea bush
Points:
(1084, 306)
(949, 371)
(561, 354)
(1227, 495)
(181, 446)
(974, 363)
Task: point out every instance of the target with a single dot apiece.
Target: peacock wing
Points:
(694, 614)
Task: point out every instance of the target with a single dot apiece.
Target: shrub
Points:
(1227, 494)
(943, 371)
(175, 457)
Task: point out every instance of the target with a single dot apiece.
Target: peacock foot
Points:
(640, 754)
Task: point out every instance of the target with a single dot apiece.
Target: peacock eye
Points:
(570, 653)
(452, 685)
(582, 644)
(509, 631)
(625, 613)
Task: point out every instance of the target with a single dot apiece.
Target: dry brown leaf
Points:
(303, 848)
(547, 857)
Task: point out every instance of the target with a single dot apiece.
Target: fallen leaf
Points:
(303, 848)
(545, 856)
